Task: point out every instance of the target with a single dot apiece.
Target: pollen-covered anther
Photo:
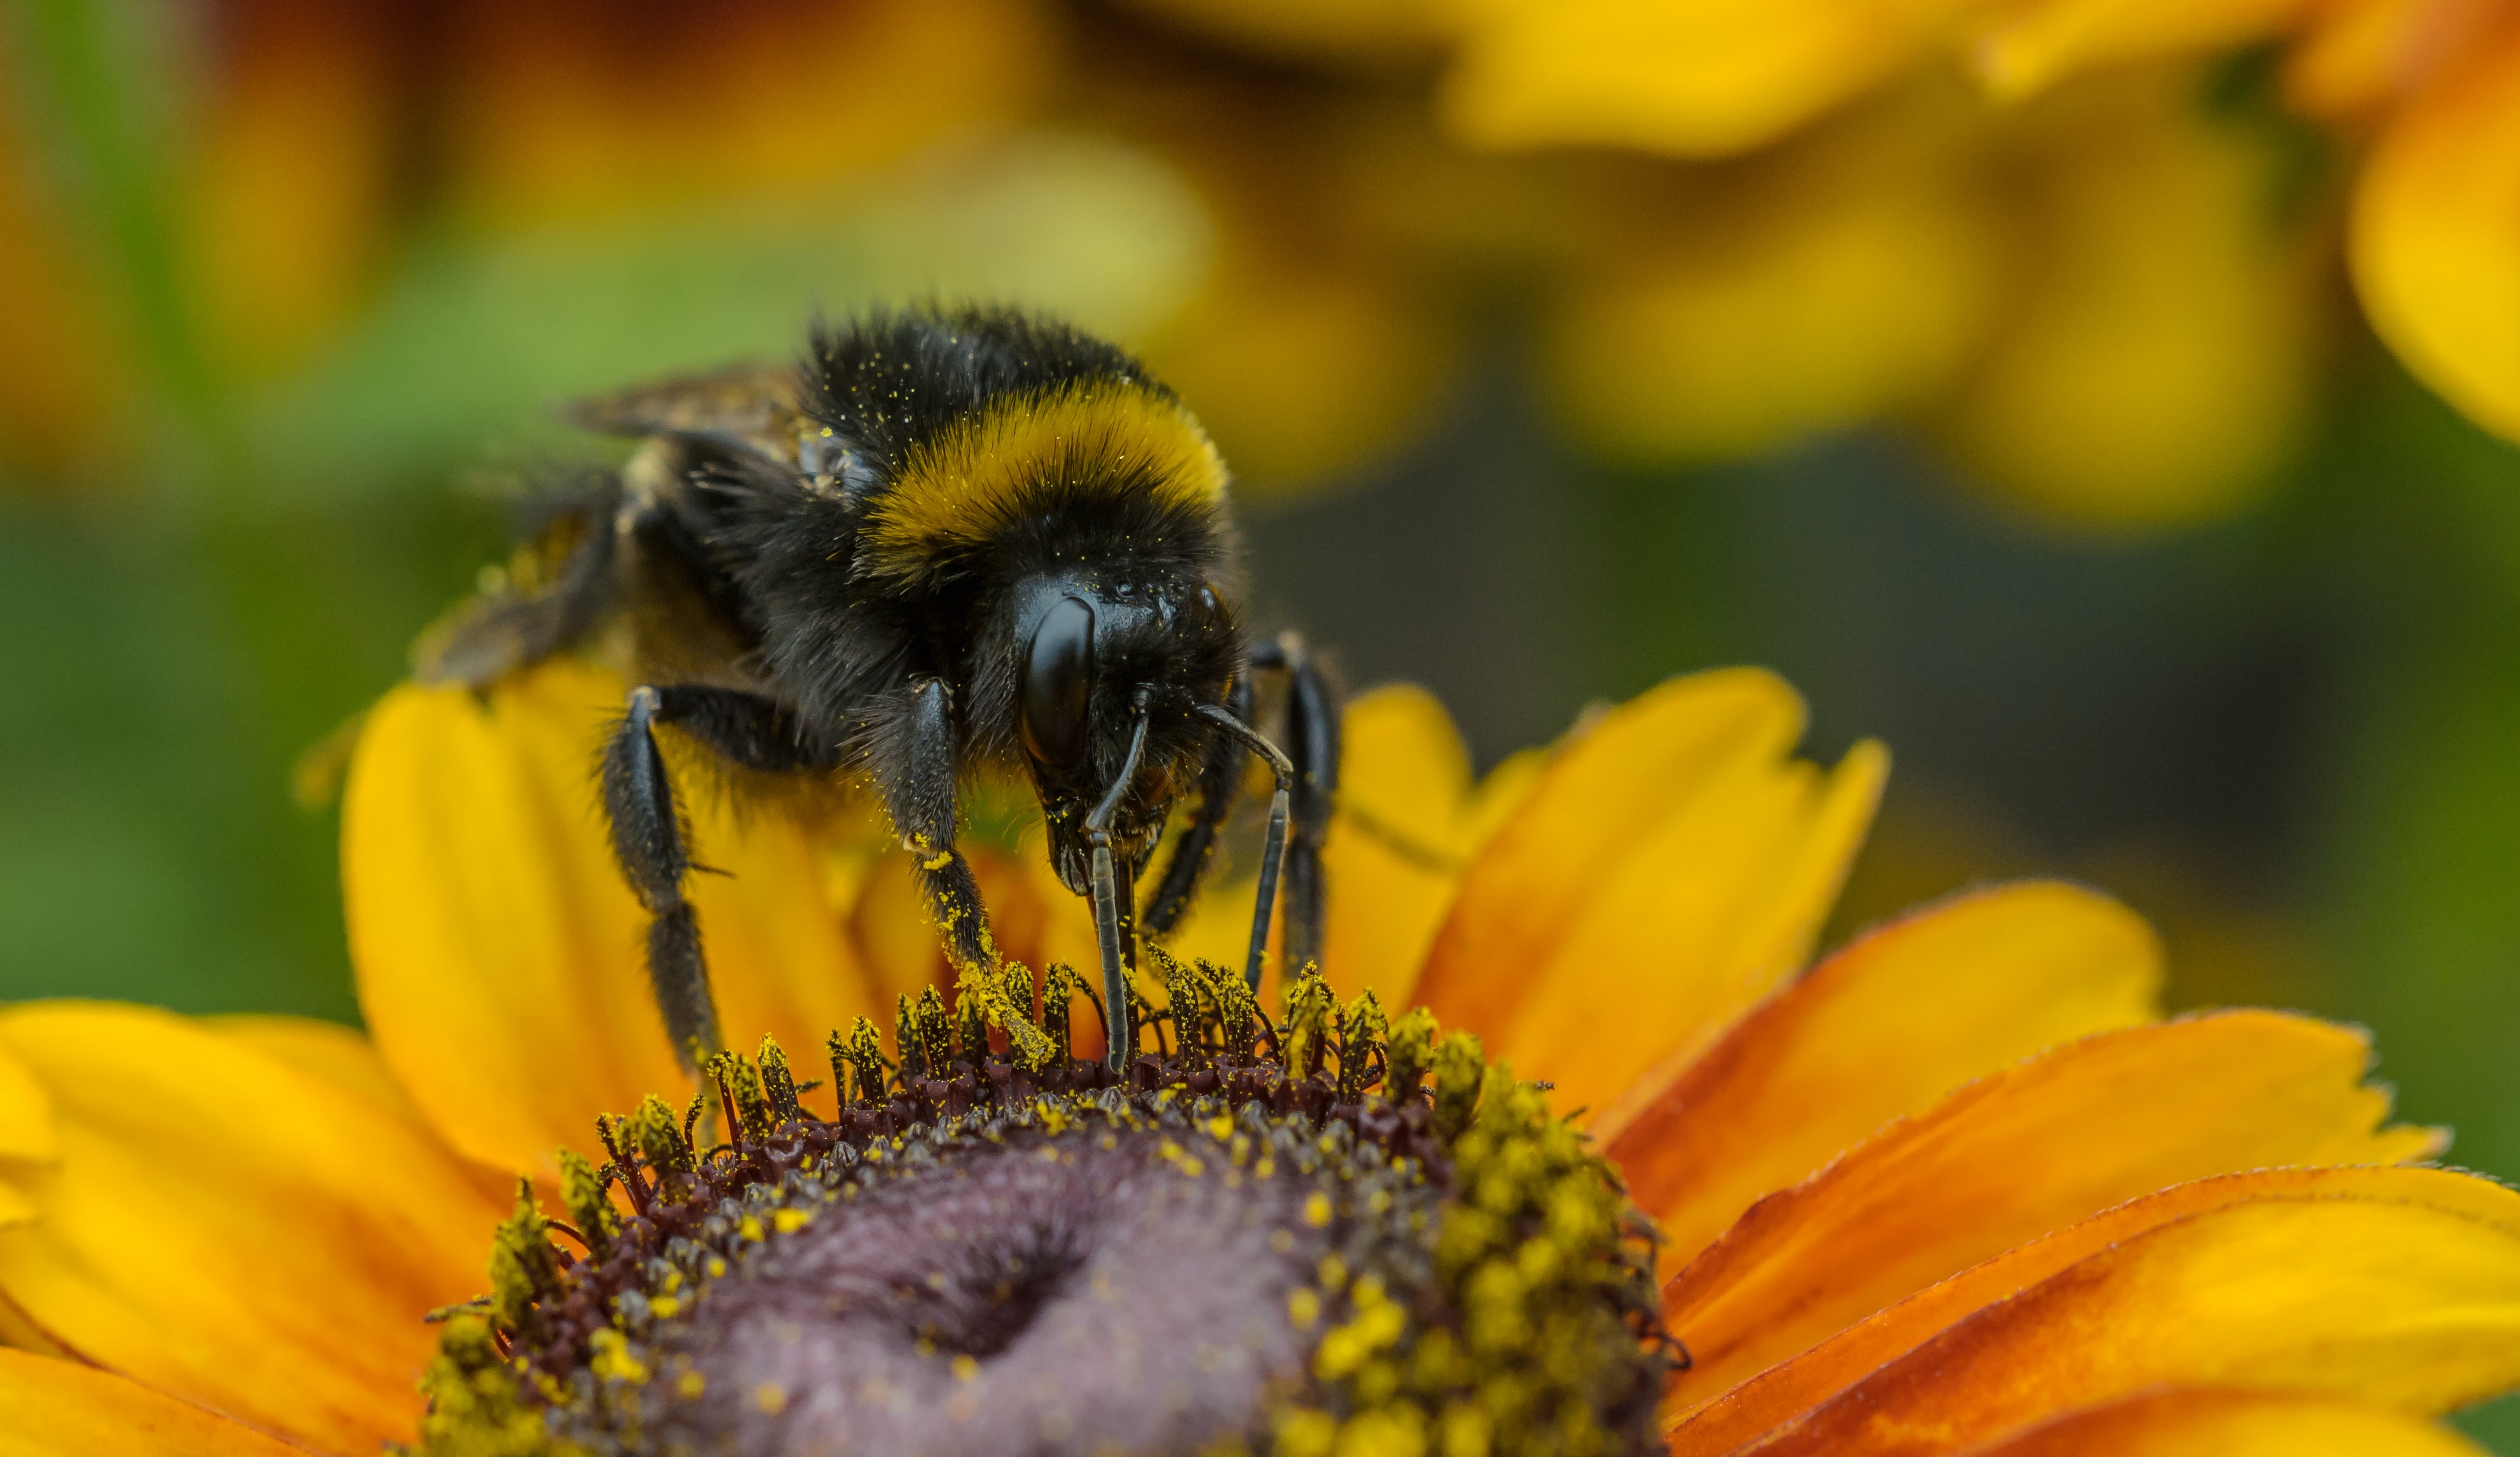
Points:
(1267, 1237)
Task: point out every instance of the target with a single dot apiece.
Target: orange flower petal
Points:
(2407, 1305)
(233, 1231)
(1778, 1394)
(2019, 1155)
(1878, 1030)
(1671, 866)
(1694, 78)
(2359, 56)
(2234, 1424)
(2033, 46)
(2436, 234)
(499, 953)
(55, 1408)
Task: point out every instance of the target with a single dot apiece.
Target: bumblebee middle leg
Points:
(648, 832)
(913, 755)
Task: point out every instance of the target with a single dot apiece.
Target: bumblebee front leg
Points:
(648, 840)
(914, 762)
(1218, 779)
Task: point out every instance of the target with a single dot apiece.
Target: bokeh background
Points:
(2107, 402)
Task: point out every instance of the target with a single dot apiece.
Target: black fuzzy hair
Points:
(893, 378)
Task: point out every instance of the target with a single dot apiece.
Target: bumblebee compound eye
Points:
(1058, 681)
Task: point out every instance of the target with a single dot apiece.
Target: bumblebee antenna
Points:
(1272, 850)
(1121, 1026)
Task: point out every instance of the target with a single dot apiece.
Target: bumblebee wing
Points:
(753, 403)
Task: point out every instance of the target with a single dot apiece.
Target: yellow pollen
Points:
(1220, 1128)
(1333, 1272)
(716, 1266)
(966, 1368)
(612, 1359)
(790, 1220)
(771, 1397)
(665, 1306)
(689, 1384)
(1303, 1307)
(750, 1228)
(1316, 1210)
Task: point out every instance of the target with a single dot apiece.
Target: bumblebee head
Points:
(1092, 652)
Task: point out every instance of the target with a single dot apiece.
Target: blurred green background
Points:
(2040, 432)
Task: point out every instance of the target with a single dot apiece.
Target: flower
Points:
(2429, 90)
(1956, 1187)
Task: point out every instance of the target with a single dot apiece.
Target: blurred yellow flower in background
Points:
(2024, 231)
(2160, 347)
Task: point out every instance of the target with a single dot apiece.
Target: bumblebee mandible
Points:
(944, 541)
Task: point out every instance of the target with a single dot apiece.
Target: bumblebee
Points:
(944, 542)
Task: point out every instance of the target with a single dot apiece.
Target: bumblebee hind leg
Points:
(1218, 779)
(1313, 743)
(648, 840)
(648, 832)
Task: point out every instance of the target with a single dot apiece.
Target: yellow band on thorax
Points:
(975, 478)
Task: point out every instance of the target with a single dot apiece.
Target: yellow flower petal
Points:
(324, 1050)
(26, 1114)
(1691, 77)
(2436, 234)
(1405, 786)
(781, 960)
(2401, 1304)
(1305, 29)
(231, 1231)
(1878, 1030)
(1409, 818)
(1671, 866)
(2030, 46)
(2019, 1155)
(498, 950)
(1776, 1395)
(2235, 1423)
(56, 1408)
(2161, 360)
